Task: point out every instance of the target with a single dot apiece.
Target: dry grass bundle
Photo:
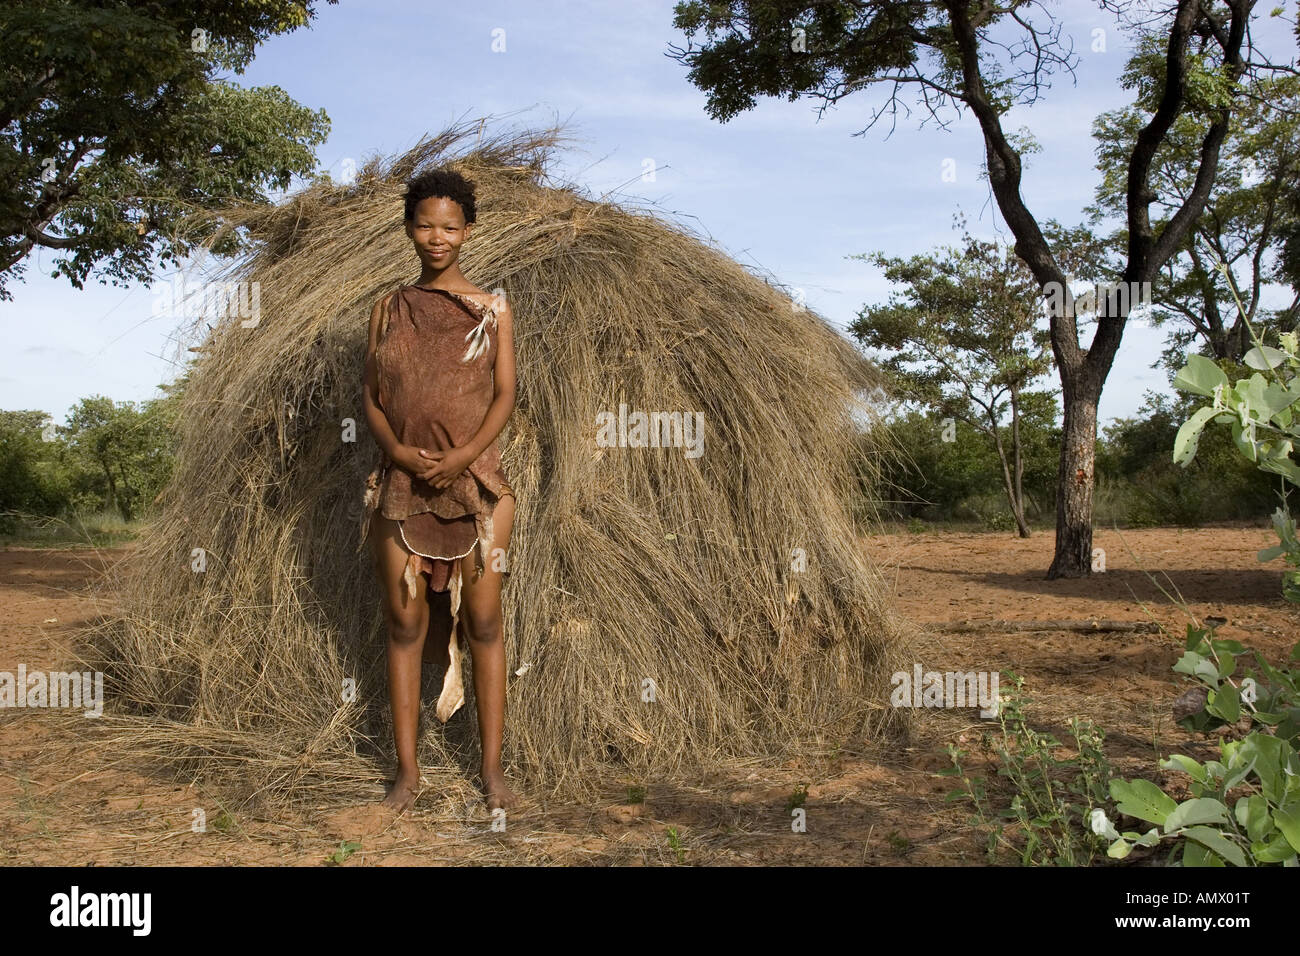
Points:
(629, 564)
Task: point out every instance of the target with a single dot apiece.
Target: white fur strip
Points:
(412, 576)
(453, 686)
(478, 337)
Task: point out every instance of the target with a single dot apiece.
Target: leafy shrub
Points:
(1262, 769)
(1265, 425)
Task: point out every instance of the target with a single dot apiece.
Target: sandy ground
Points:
(65, 801)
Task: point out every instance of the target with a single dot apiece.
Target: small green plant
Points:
(1052, 795)
(223, 822)
(898, 843)
(999, 521)
(916, 526)
(675, 844)
(636, 794)
(345, 850)
(797, 798)
(1269, 696)
(1262, 769)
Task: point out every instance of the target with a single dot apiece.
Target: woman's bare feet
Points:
(405, 789)
(497, 791)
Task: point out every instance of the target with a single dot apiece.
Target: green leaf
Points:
(1223, 644)
(1268, 765)
(1195, 665)
(1225, 703)
(1227, 665)
(1264, 357)
(1142, 799)
(1186, 764)
(1244, 445)
(1196, 639)
(1119, 849)
(1194, 811)
(1200, 375)
(1275, 850)
(1252, 813)
(1288, 821)
(1189, 436)
(1214, 840)
(1281, 466)
(1196, 855)
(1273, 399)
(1240, 770)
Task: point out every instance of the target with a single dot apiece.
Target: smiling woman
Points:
(435, 406)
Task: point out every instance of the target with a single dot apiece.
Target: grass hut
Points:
(666, 610)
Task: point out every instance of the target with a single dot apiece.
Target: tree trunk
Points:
(125, 501)
(1074, 483)
(1018, 451)
(112, 485)
(1014, 497)
(1011, 484)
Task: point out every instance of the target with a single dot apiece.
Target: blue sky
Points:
(777, 187)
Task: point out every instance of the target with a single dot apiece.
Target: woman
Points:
(439, 387)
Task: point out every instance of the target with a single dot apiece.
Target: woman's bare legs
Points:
(408, 622)
(481, 612)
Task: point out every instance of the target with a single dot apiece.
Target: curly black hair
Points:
(440, 183)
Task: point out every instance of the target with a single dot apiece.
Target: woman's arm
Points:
(450, 464)
(406, 457)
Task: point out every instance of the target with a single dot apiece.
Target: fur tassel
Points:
(478, 338)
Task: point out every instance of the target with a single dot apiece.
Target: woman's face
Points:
(437, 230)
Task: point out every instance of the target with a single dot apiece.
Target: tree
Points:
(117, 139)
(931, 477)
(1242, 223)
(129, 447)
(966, 337)
(33, 480)
(958, 54)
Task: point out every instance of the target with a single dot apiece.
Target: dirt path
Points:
(63, 801)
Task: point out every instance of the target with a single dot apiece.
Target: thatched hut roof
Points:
(734, 583)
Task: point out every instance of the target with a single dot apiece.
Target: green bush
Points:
(108, 455)
(1262, 769)
(962, 479)
(1137, 484)
(1146, 488)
